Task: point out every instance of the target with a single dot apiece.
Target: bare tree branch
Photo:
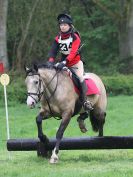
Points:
(25, 33)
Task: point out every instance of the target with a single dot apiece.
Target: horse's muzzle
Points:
(31, 102)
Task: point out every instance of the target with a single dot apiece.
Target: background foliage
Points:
(30, 35)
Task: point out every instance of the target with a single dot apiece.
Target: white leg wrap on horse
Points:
(54, 158)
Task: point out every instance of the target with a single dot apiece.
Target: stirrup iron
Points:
(87, 106)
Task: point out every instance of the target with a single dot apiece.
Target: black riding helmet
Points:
(64, 18)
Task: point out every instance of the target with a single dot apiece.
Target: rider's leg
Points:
(79, 70)
(86, 104)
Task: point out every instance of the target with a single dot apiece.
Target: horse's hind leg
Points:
(81, 123)
(97, 118)
(101, 123)
(43, 138)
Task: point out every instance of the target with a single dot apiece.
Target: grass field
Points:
(85, 163)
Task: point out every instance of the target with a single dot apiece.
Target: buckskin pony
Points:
(59, 98)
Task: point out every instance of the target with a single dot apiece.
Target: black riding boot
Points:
(86, 104)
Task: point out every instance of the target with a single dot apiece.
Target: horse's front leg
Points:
(43, 138)
(65, 121)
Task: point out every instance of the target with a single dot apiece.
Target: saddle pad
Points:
(91, 87)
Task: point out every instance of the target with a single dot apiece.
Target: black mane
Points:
(46, 65)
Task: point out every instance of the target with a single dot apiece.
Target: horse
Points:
(55, 90)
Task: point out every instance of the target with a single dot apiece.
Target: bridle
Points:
(39, 93)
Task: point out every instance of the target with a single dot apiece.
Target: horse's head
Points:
(34, 86)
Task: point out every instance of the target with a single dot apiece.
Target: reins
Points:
(48, 99)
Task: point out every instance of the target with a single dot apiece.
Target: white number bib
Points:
(65, 45)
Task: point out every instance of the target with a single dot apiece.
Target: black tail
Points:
(94, 122)
(97, 120)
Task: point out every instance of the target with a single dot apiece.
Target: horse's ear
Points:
(35, 67)
(27, 69)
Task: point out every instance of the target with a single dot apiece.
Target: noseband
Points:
(38, 93)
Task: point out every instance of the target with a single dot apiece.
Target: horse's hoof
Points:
(83, 130)
(53, 160)
(82, 126)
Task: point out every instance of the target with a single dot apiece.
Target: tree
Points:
(124, 20)
(3, 41)
(100, 36)
(121, 13)
(31, 28)
(24, 35)
(126, 29)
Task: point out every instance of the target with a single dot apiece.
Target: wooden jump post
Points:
(77, 143)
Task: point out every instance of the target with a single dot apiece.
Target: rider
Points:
(68, 43)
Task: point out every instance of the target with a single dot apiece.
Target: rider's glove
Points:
(50, 62)
(51, 59)
(60, 65)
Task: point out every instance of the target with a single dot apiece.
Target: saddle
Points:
(92, 89)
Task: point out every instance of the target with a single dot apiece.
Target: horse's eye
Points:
(36, 82)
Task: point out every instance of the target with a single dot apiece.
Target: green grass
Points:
(84, 163)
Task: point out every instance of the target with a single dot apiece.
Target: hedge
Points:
(16, 90)
(115, 85)
(119, 84)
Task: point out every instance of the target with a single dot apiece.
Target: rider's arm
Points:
(75, 46)
(54, 50)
